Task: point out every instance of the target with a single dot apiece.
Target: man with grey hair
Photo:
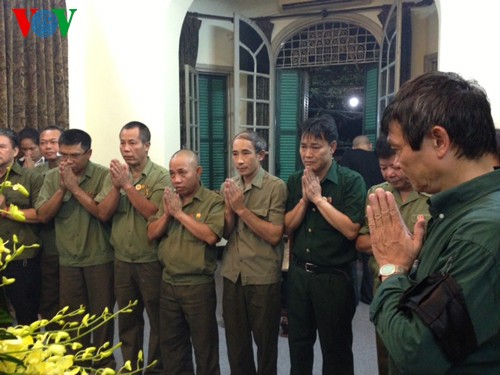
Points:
(251, 267)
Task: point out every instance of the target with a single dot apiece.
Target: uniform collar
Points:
(257, 181)
(332, 174)
(447, 201)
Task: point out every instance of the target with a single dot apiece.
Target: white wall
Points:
(468, 46)
(123, 66)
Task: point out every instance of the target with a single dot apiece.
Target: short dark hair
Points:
(446, 99)
(323, 127)
(259, 143)
(29, 133)
(383, 149)
(11, 134)
(144, 132)
(51, 127)
(72, 137)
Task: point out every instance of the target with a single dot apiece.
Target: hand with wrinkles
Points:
(172, 202)
(233, 196)
(120, 176)
(69, 180)
(391, 240)
(311, 186)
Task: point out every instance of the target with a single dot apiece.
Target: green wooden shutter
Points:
(287, 120)
(371, 93)
(213, 125)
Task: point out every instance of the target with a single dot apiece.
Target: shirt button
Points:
(441, 216)
(309, 230)
(308, 251)
(314, 209)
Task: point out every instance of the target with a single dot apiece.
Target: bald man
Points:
(188, 224)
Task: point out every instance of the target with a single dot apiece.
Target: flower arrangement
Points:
(13, 210)
(36, 349)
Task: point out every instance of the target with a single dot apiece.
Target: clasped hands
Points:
(392, 242)
(69, 180)
(120, 175)
(172, 203)
(233, 196)
(311, 188)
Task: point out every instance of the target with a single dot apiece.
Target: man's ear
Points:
(261, 155)
(333, 147)
(440, 140)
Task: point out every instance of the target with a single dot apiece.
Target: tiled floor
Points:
(365, 359)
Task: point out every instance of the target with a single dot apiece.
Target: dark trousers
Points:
(92, 287)
(247, 310)
(141, 282)
(24, 293)
(49, 297)
(322, 302)
(366, 289)
(187, 315)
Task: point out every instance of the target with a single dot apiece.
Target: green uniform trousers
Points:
(247, 310)
(187, 315)
(322, 302)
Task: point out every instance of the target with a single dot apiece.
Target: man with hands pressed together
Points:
(251, 267)
(325, 209)
(188, 224)
(85, 254)
(438, 307)
(24, 294)
(49, 256)
(132, 194)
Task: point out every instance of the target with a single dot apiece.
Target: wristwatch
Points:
(390, 269)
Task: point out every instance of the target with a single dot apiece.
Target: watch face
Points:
(387, 269)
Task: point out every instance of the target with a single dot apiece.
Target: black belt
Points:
(344, 269)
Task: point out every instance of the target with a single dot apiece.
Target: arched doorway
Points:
(323, 68)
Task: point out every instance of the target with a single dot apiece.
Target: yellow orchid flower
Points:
(20, 188)
(15, 213)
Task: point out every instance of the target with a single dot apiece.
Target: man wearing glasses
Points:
(85, 254)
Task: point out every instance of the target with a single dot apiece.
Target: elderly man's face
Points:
(420, 166)
(184, 174)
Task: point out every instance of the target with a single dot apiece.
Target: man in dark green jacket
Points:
(438, 307)
(324, 212)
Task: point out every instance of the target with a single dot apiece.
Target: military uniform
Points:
(187, 296)
(252, 271)
(321, 293)
(49, 264)
(24, 294)
(137, 269)
(85, 253)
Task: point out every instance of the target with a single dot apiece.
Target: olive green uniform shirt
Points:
(315, 240)
(27, 234)
(48, 230)
(246, 254)
(186, 260)
(82, 239)
(129, 236)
